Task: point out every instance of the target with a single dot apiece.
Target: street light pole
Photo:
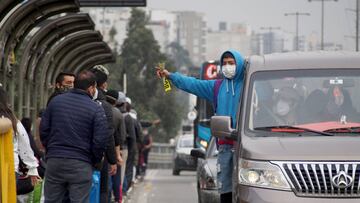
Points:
(297, 14)
(322, 20)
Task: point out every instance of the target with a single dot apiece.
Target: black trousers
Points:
(129, 172)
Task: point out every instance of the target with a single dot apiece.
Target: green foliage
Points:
(140, 53)
(179, 55)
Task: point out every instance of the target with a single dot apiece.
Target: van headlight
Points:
(262, 174)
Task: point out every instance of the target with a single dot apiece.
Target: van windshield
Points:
(320, 100)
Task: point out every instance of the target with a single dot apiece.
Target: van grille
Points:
(335, 179)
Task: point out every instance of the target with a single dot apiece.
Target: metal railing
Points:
(161, 156)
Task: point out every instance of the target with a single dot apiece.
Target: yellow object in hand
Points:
(166, 82)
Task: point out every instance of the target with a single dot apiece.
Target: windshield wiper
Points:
(344, 130)
(292, 129)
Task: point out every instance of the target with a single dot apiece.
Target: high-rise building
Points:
(219, 41)
(164, 26)
(161, 33)
(191, 34)
(268, 42)
(273, 42)
(111, 22)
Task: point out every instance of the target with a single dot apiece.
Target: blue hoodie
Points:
(229, 91)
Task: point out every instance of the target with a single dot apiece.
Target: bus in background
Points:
(209, 71)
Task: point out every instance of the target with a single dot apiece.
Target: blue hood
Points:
(231, 89)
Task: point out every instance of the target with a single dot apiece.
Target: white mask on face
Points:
(229, 71)
(282, 108)
(95, 94)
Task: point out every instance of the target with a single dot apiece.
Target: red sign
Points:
(210, 71)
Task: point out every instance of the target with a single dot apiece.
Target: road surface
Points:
(160, 186)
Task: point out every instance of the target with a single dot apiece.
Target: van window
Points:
(304, 98)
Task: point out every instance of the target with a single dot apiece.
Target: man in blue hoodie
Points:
(226, 104)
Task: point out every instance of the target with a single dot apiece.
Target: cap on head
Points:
(101, 74)
(121, 98)
(112, 94)
(128, 100)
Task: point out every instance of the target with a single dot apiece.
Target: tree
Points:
(140, 53)
(179, 55)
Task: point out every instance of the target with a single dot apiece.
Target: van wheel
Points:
(175, 172)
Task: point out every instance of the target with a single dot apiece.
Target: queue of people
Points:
(85, 127)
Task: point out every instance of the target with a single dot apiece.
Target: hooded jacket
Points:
(229, 91)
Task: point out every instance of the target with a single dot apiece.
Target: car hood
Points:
(319, 148)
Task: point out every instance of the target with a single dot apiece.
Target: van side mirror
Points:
(198, 153)
(221, 127)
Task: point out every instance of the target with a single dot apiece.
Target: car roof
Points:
(304, 60)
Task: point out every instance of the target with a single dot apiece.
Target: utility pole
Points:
(297, 14)
(322, 20)
(270, 29)
(356, 25)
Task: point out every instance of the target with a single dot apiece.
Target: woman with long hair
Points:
(21, 141)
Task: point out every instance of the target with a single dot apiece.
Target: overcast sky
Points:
(258, 13)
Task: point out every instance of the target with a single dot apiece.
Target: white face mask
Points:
(282, 108)
(229, 71)
(95, 94)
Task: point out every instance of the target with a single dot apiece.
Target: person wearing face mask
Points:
(110, 162)
(286, 106)
(74, 132)
(225, 96)
(339, 104)
(63, 82)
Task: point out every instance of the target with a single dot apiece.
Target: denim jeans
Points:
(225, 168)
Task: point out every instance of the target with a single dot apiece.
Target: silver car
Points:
(298, 133)
(206, 176)
(183, 161)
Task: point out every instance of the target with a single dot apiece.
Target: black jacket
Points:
(120, 129)
(130, 132)
(110, 148)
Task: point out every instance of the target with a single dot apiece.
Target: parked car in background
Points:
(183, 161)
(206, 175)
